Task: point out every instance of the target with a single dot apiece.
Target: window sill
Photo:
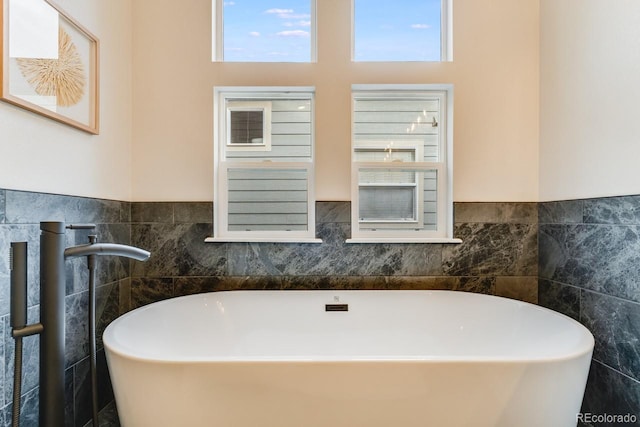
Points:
(404, 240)
(260, 240)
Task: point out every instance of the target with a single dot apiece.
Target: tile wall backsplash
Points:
(498, 256)
(20, 216)
(589, 268)
(578, 257)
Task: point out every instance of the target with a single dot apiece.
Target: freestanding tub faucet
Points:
(52, 309)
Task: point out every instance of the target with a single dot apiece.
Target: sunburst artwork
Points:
(49, 63)
(63, 77)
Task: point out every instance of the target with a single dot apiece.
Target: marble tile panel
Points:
(492, 250)
(178, 250)
(333, 212)
(333, 234)
(197, 285)
(88, 210)
(20, 233)
(149, 290)
(394, 260)
(194, 285)
(125, 212)
(81, 392)
(32, 208)
(69, 398)
(142, 212)
(30, 357)
(124, 295)
(333, 257)
(193, 212)
(559, 297)
(108, 417)
(520, 288)
(513, 213)
(613, 210)
(3, 198)
(29, 411)
(615, 324)
(603, 258)
(330, 282)
(4, 321)
(107, 308)
(82, 389)
(77, 328)
(483, 285)
(562, 212)
(609, 392)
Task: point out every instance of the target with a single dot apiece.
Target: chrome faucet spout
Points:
(107, 249)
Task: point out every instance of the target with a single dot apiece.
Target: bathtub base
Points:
(348, 394)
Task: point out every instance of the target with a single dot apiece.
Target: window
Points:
(402, 30)
(254, 31)
(401, 164)
(264, 172)
(249, 125)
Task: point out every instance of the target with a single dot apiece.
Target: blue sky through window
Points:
(267, 30)
(280, 30)
(397, 30)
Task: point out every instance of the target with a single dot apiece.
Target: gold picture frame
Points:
(49, 63)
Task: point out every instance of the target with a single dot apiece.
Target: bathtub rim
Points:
(586, 345)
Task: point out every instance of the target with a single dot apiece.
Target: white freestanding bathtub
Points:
(393, 359)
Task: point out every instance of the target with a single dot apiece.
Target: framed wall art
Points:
(49, 63)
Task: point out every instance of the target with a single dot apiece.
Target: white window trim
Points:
(265, 108)
(446, 32)
(221, 164)
(445, 186)
(217, 31)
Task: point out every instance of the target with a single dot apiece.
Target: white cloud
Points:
(420, 26)
(297, 24)
(254, 34)
(293, 33)
(278, 11)
(229, 3)
(287, 14)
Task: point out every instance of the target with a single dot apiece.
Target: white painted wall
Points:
(495, 72)
(38, 154)
(590, 96)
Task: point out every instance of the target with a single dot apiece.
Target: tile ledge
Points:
(405, 240)
(259, 240)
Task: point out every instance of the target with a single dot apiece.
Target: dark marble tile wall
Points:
(498, 255)
(589, 268)
(20, 215)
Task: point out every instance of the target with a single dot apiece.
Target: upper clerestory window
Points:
(382, 31)
(259, 31)
(402, 30)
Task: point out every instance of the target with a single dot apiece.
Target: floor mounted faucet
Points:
(52, 311)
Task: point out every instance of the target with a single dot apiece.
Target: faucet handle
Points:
(80, 226)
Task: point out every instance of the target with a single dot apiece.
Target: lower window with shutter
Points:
(264, 164)
(401, 164)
